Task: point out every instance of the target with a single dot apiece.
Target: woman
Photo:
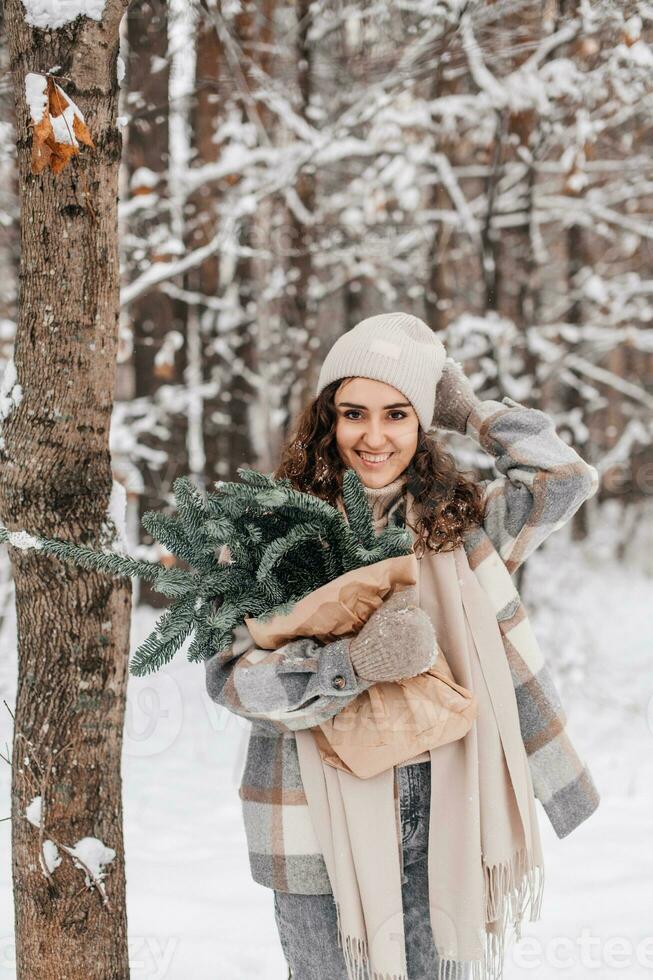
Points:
(416, 872)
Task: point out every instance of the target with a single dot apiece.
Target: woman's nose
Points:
(375, 436)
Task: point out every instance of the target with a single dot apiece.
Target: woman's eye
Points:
(354, 411)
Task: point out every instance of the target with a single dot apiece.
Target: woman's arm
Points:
(302, 684)
(296, 686)
(299, 685)
(543, 480)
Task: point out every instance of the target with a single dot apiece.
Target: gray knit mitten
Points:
(454, 398)
(397, 641)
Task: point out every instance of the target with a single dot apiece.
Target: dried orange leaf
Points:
(58, 124)
(80, 130)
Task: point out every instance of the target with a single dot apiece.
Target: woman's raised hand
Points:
(454, 398)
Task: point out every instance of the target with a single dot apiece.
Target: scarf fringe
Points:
(512, 889)
(357, 959)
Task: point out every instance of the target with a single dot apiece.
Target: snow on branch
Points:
(586, 368)
(53, 14)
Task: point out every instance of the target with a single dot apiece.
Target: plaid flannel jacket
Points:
(542, 482)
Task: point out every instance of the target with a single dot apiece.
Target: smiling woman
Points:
(376, 429)
(361, 885)
(371, 426)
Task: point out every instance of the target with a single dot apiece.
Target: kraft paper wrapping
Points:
(390, 721)
(338, 608)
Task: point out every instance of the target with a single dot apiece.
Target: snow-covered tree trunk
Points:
(298, 310)
(235, 445)
(202, 221)
(56, 480)
(159, 351)
(438, 291)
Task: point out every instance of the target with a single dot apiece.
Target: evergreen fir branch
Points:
(111, 563)
(224, 580)
(330, 561)
(219, 529)
(168, 530)
(176, 620)
(396, 540)
(152, 655)
(274, 497)
(244, 493)
(175, 582)
(254, 533)
(241, 553)
(283, 544)
(193, 512)
(273, 590)
(203, 644)
(254, 477)
(281, 610)
(361, 520)
(277, 550)
(257, 603)
(225, 618)
(300, 507)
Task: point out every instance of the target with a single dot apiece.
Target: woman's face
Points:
(375, 422)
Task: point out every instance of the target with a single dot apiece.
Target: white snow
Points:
(143, 177)
(23, 540)
(36, 95)
(191, 902)
(62, 125)
(639, 52)
(172, 342)
(37, 100)
(33, 811)
(11, 393)
(90, 850)
(117, 514)
(595, 289)
(633, 28)
(94, 854)
(56, 13)
(51, 855)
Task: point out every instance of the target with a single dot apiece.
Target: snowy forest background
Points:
(287, 169)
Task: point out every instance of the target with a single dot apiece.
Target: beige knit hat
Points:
(397, 348)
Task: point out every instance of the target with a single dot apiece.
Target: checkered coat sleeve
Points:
(542, 482)
(299, 685)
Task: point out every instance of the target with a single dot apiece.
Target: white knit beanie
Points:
(397, 348)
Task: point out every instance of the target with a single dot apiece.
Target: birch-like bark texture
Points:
(55, 480)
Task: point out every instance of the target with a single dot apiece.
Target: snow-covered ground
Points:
(193, 908)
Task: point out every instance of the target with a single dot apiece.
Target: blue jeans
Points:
(307, 924)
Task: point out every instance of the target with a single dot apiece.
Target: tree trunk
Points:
(298, 310)
(152, 316)
(202, 214)
(234, 445)
(55, 480)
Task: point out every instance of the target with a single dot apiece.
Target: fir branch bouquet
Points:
(284, 544)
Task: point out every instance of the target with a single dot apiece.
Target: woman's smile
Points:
(373, 460)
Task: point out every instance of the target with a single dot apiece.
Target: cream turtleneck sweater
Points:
(383, 501)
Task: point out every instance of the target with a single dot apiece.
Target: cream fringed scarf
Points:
(484, 856)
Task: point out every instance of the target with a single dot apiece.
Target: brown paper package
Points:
(390, 722)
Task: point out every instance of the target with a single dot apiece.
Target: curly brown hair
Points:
(446, 502)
